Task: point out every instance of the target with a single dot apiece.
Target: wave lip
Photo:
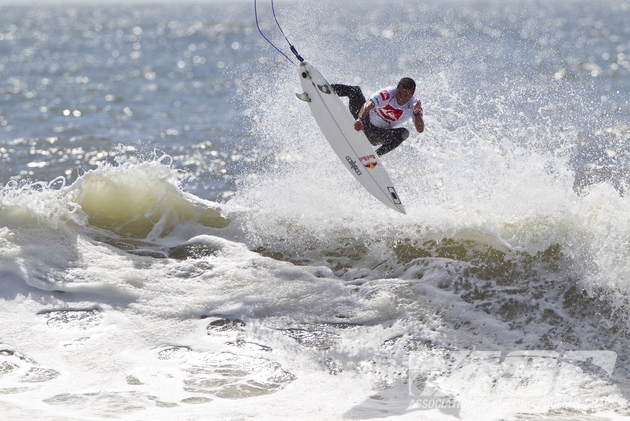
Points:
(141, 201)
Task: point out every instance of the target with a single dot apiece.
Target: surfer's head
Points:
(405, 90)
(407, 83)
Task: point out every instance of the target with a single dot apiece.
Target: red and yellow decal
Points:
(369, 161)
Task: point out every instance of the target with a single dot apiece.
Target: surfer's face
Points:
(403, 95)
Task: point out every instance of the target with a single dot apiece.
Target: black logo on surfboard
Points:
(353, 165)
(394, 195)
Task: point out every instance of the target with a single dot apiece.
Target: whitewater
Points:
(178, 241)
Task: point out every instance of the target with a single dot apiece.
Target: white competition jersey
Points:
(387, 113)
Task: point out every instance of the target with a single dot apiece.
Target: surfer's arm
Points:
(418, 121)
(365, 109)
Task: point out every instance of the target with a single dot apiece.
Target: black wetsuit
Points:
(389, 139)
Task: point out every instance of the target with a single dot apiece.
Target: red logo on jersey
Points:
(390, 113)
(384, 95)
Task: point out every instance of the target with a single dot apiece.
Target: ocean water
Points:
(179, 242)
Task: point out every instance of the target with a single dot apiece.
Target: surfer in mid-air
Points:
(380, 116)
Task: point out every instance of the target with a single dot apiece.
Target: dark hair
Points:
(407, 83)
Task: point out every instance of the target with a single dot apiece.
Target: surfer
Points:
(380, 116)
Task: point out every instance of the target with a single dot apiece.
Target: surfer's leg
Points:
(354, 94)
(392, 140)
(375, 135)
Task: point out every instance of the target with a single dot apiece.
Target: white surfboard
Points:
(352, 147)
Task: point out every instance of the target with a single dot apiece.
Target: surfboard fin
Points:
(303, 97)
(325, 89)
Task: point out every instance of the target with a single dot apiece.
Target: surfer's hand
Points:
(418, 108)
(358, 125)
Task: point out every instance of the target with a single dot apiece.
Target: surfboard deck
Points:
(353, 148)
